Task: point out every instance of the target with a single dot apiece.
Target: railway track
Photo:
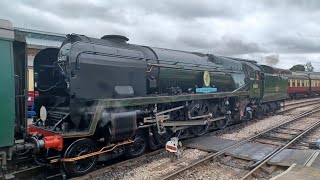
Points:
(116, 164)
(287, 108)
(293, 102)
(280, 148)
(262, 162)
(294, 105)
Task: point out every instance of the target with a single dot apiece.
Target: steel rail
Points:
(211, 156)
(297, 105)
(301, 102)
(249, 174)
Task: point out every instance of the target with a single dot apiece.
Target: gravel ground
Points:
(253, 128)
(153, 167)
(315, 134)
(213, 170)
(303, 124)
(261, 125)
(300, 110)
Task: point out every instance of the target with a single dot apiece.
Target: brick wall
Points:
(32, 51)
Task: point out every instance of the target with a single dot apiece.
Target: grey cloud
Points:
(224, 45)
(297, 44)
(255, 29)
(187, 9)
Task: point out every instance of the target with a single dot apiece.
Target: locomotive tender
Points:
(101, 98)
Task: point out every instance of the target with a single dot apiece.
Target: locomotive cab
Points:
(49, 79)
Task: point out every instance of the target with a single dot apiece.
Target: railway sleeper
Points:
(276, 138)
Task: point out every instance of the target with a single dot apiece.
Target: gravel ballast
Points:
(262, 125)
(153, 167)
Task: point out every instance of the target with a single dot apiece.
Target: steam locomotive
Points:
(101, 94)
(102, 98)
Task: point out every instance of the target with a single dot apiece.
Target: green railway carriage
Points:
(12, 88)
(7, 109)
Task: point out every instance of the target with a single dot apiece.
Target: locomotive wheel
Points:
(199, 130)
(258, 113)
(138, 147)
(198, 108)
(178, 116)
(162, 139)
(78, 148)
(221, 124)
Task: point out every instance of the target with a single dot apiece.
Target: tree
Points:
(298, 67)
(309, 67)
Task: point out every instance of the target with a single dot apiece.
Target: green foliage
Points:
(298, 67)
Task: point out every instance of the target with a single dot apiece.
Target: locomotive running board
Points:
(136, 101)
(190, 123)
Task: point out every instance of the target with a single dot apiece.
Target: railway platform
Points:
(256, 151)
(296, 172)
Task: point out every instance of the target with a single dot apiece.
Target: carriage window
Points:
(302, 83)
(298, 84)
(289, 82)
(293, 83)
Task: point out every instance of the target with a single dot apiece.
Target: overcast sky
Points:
(281, 33)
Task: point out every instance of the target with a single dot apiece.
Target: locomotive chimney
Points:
(115, 38)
